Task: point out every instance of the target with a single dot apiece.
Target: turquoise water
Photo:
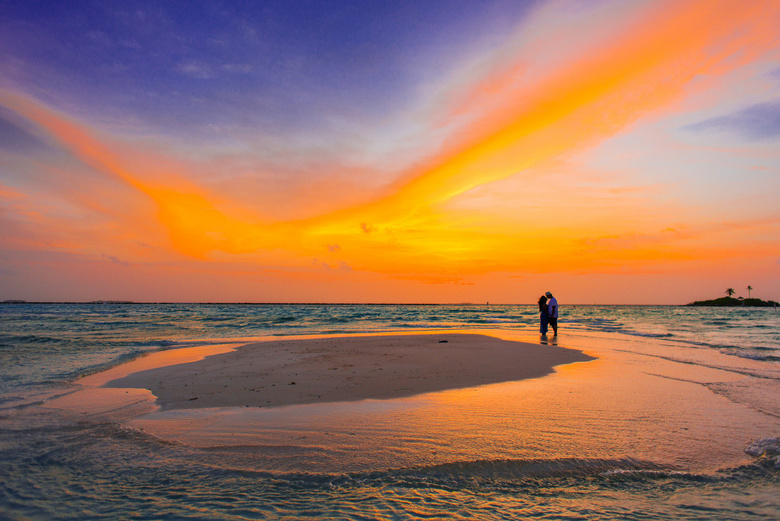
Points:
(55, 466)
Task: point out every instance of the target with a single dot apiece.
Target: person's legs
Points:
(554, 324)
(543, 325)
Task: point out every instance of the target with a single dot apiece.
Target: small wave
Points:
(753, 356)
(718, 323)
(612, 326)
(284, 320)
(758, 448)
(159, 343)
(217, 319)
(14, 340)
(337, 320)
(466, 474)
(647, 335)
(503, 474)
(754, 353)
(96, 368)
(533, 468)
(766, 451)
(655, 474)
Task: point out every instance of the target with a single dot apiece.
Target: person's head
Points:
(549, 295)
(542, 299)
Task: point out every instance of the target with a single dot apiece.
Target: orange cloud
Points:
(412, 229)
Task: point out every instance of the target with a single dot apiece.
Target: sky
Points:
(437, 151)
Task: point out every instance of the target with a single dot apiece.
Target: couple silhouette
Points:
(548, 313)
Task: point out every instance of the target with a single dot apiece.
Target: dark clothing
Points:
(543, 321)
(544, 317)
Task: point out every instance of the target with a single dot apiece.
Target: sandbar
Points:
(346, 368)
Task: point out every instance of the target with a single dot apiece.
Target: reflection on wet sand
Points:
(639, 401)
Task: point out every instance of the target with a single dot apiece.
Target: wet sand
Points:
(361, 403)
(336, 369)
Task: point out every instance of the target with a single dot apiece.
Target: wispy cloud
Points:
(14, 138)
(195, 70)
(757, 122)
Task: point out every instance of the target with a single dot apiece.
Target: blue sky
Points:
(279, 64)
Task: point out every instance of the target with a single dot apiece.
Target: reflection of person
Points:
(543, 315)
(552, 311)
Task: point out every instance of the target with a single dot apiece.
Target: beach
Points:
(491, 422)
(337, 369)
(455, 395)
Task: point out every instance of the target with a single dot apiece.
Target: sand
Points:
(361, 403)
(336, 369)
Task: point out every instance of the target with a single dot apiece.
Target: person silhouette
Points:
(552, 312)
(543, 315)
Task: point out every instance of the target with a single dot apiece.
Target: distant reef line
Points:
(729, 302)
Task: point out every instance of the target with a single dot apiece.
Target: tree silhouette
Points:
(749, 288)
(729, 291)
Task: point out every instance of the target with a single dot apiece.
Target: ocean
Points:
(550, 448)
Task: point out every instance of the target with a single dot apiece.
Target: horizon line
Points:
(247, 303)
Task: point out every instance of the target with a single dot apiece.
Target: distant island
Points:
(736, 302)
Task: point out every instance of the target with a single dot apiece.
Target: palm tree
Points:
(749, 288)
(730, 291)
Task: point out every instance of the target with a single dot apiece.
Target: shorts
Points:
(553, 321)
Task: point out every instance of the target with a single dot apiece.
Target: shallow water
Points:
(655, 428)
(56, 342)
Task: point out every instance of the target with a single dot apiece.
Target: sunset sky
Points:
(448, 151)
